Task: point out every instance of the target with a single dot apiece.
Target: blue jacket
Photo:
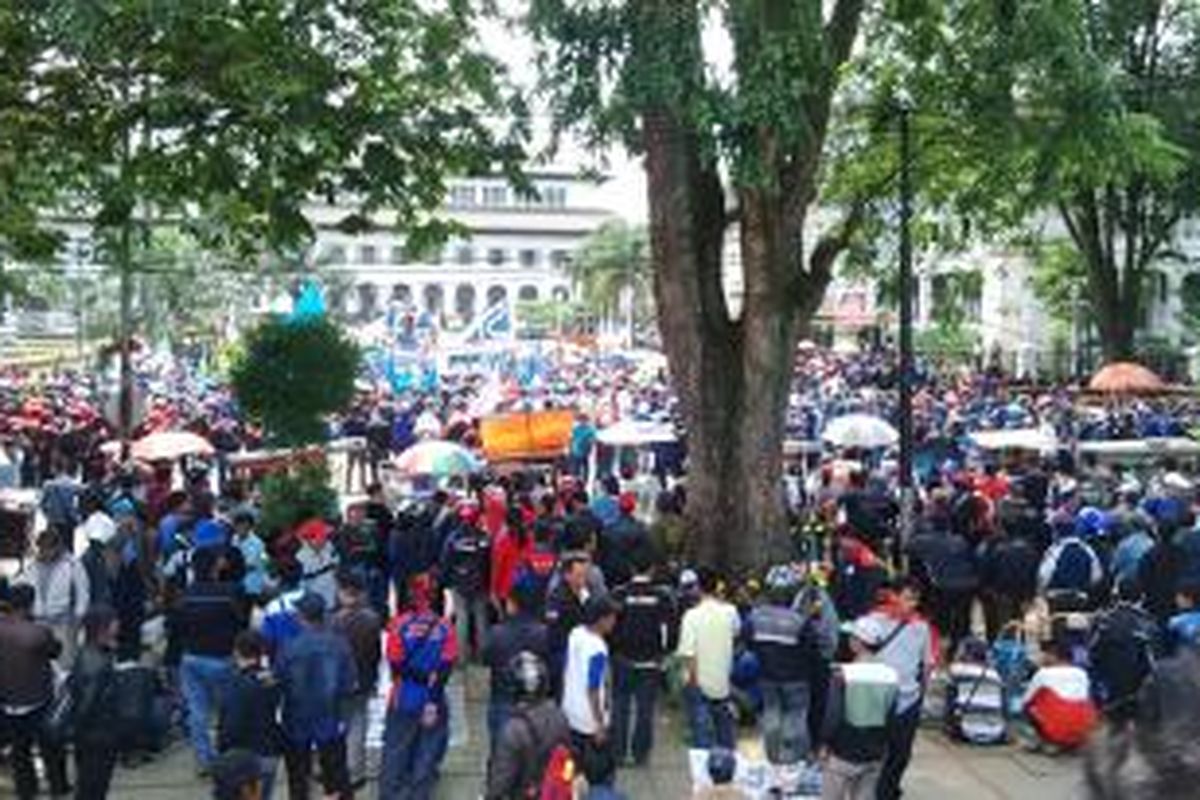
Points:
(317, 674)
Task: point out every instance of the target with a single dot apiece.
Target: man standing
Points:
(316, 673)
(61, 593)
(585, 700)
(361, 626)
(464, 569)
(905, 645)
(621, 541)
(706, 638)
(786, 647)
(523, 752)
(26, 689)
(520, 632)
(208, 619)
(639, 646)
(564, 610)
(421, 650)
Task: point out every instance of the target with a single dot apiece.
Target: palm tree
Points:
(611, 267)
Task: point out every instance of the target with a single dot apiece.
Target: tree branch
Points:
(811, 283)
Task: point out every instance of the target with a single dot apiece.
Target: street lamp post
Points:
(906, 329)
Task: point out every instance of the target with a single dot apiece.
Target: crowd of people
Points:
(154, 603)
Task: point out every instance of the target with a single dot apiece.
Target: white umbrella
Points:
(860, 430)
(1038, 439)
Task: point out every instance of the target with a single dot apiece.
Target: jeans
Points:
(470, 613)
(846, 780)
(203, 681)
(377, 590)
(498, 712)
(356, 736)
(785, 721)
(334, 778)
(634, 686)
(711, 721)
(23, 731)
(269, 766)
(93, 771)
(412, 755)
(901, 736)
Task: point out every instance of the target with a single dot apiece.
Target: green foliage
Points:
(1189, 298)
(545, 316)
(290, 375)
(289, 498)
(228, 118)
(1059, 281)
(948, 342)
(613, 260)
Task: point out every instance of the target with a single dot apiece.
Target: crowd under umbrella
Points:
(166, 446)
(437, 459)
(1126, 378)
(860, 432)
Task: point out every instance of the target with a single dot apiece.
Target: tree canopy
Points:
(292, 373)
(612, 262)
(229, 118)
(1074, 119)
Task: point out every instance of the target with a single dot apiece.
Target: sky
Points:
(624, 193)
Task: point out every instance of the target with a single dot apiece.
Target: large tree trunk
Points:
(732, 377)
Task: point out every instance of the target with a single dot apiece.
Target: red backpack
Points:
(558, 778)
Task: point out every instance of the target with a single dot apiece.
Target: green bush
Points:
(289, 375)
(291, 498)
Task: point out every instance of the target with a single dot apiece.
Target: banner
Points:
(530, 435)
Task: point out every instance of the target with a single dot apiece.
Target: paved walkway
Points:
(941, 770)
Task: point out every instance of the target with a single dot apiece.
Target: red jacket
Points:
(507, 556)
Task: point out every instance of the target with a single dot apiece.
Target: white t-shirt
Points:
(707, 634)
(1066, 681)
(587, 669)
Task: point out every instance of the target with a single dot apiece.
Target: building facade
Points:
(516, 249)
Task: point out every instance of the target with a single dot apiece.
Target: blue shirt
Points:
(606, 509)
(316, 673)
(1183, 630)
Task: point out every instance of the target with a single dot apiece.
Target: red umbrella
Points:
(1125, 377)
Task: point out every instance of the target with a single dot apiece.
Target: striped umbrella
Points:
(437, 459)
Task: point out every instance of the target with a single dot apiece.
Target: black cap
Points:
(598, 607)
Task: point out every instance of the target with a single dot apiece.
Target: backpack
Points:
(1121, 654)
(1073, 570)
(558, 778)
(975, 697)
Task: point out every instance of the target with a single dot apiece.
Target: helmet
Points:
(782, 580)
(1090, 521)
(722, 764)
(528, 674)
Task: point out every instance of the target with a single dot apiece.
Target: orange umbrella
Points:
(1125, 377)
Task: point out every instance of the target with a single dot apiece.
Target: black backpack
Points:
(1122, 652)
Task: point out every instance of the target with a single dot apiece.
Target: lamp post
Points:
(904, 104)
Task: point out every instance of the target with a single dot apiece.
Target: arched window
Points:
(464, 301)
(496, 294)
(435, 298)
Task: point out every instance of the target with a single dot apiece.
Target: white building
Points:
(516, 248)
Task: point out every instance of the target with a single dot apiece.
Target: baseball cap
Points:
(869, 630)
